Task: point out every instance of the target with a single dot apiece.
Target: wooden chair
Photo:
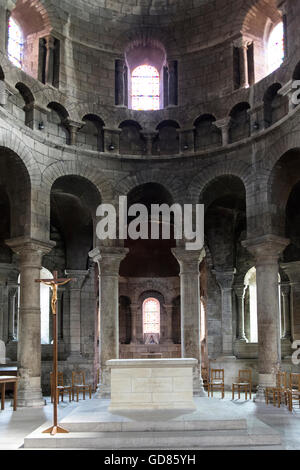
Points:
(8, 380)
(61, 388)
(205, 377)
(244, 384)
(79, 385)
(293, 393)
(216, 382)
(279, 392)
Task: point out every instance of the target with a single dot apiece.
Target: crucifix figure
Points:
(54, 284)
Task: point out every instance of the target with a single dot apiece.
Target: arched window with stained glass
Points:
(15, 44)
(145, 88)
(151, 317)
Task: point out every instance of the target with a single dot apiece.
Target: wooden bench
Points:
(8, 380)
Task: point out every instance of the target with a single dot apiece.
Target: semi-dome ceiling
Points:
(145, 6)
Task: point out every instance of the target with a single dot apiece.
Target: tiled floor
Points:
(14, 426)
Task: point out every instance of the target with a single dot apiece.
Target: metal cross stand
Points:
(54, 284)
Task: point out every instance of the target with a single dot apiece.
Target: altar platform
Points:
(214, 424)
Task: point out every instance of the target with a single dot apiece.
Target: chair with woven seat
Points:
(79, 385)
(216, 382)
(243, 384)
(279, 392)
(61, 388)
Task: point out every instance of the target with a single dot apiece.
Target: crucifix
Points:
(54, 284)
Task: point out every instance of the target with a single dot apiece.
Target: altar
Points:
(152, 384)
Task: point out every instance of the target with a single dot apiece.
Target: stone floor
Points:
(14, 427)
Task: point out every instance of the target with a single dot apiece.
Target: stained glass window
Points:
(145, 88)
(151, 316)
(15, 43)
(276, 48)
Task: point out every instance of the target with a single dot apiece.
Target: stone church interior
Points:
(164, 102)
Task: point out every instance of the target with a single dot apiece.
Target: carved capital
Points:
(30, 250)
(266, 249)
(225, 278)
(189, 261)
(108, 259)
(78, 277)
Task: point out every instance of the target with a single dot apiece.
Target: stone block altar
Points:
(152, 384)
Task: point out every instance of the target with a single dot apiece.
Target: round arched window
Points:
(151, 316)
(15, 43)
(276, 47)
(145, 88)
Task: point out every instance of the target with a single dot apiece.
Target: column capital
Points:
(26, 246)
(267, 248)
(222, 123)
(108, 259)
(189, 260)
(292, 269)
(225, 278)
(239, 290)
(50, 41)
(78, 278)
(242, 42)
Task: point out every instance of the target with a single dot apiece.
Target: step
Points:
(152, 440)
(154, 426)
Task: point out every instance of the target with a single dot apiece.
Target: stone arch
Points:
(9, 140)
(67, 168)
(172, 183)
(230, 168)
(37, 12)
(145, 36)
(249, 23)
(25, 92)
(16, 182)
(91, 134)
(131, 139)
(284, 143)
(275, 105)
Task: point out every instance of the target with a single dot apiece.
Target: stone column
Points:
(173, 83)
(73, 127)
(247, 314)
(134, 309)
(4, 17)
(121, 71)
(224, 124)
(149, 137)
(30, 254)
(169, 312)
(108, 259)
(240, 291)
(189, 262)
(242, 45)
(75, 312)
(266, 250)
(225, 281)
(285, 295)
(49, 63)
(293, 271)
